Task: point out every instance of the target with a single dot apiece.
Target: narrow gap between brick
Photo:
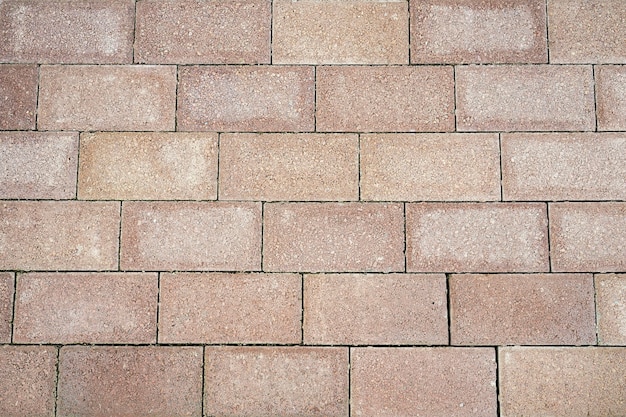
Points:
(13, 306)
(315, 98)
(359, 164)
(37, 98)
(203, 381)
(549, 248)
(454, 96)
(595, 308)
(158, 306)
(302, 309)
(409, 27)
(404, 233)
(77, 165)
(217, 187)
(547, 32)
(262, 232)
(595, 97)
(501, 176)
(56, 382)
(119, 240)
(176, 102)
(349, 382)
(134, 30)
(498, 412)
(271, 32)
(448, 308)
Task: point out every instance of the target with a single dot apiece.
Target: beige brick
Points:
(107, 97)
(192, 236)
(611, 97)
(537, 309)
(68, 308)
(526, 97)
(246, 98)
(611, 308)
(333, 237)
(18, 95)
(351, 309)
(230, 308)
(69, 235)
(7, 289)
(422, 167)
(148, 166)
(403, 382)
(135, 381)
(289, 167)
(274, 381)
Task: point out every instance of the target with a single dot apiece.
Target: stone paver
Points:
(611, 96)
(7, 283)
(611, 308)
(18, 96)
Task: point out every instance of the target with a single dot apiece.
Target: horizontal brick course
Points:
(611, 308)
(611, 96)
(18, 96)
(7, 283)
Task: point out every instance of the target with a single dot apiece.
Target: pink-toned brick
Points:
(130, 381)
(289, 167)
(148, 166)
(525, 97)
(246, 98)
(203, 32)
(537, 309)
(107, 97)
(588, 237)
(280, 382)
(69, 235)
(230, 308)
(333, 237)
(611, 308)
(18, 96)
(191, 236)
(403, 382)
(476, 237)
(611, 96)
(85, 308)
(422, 167)
(347, 309)
(7, 289)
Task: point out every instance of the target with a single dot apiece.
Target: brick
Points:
(351, 309)
(246, 98)
(562, 381)
(107, 97)
(340, 32)
(274, 381)
(478, 31)
(453, 382)
(139, 381)
(588, 237)
(527, 97)
(203, 32)
(436, 167)
(564, 166)
(192, 236)
(333, 237)
(611, 97)
(611, 308)
(68, 235)
(385, 99)
(148, 166)
(6, 306)
(230, 308)
(65, 308)
(18, 96)
(537, 309)
(37, 165)
(289, 167)
(476, 237)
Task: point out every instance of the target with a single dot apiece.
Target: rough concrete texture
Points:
(611, 96)
(18, 96)
(7, 291)
(611, 308)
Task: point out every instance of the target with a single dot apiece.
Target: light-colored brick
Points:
(7, 289)
(611, 308)
(18, 96)
(611, 96)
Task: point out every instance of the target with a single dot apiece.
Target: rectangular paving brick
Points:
(477, 237)
(564, 166)
(18, 95)
(289, 167)
(562, 381)
(135, 381)
(192, 236)
(333, 237)
(422, 167)
(340, 32)
(107, 97)
(7, 289)
(525, 97)
(611, 308)
(148, 166)
(588, 237)
(611, 96)
(246, 98)
(385, 99)
(68, 235)
(403, 382)
(528, 309)
(230, 308)
(203, 32)
(68, 308)
(351, 309)
(478, 31)
(275, 381)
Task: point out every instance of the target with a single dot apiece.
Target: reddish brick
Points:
(289, 167)
(481, 237)
(69, 235)
(402, 382)
(542, 309)
(246, 98)
(438, 167)
(380, 99)
(191, 236)
(611, 309)
(203, 32)
(611, 97)
(107, 97)
(270, 381)
(333, 237)
(6, 306)
(525, 97)
(18, 95)
(86, 308)
(136, 381)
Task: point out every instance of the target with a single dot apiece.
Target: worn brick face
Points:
(611, 96)
(18, 96)
(7, 289)
(611, 308)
